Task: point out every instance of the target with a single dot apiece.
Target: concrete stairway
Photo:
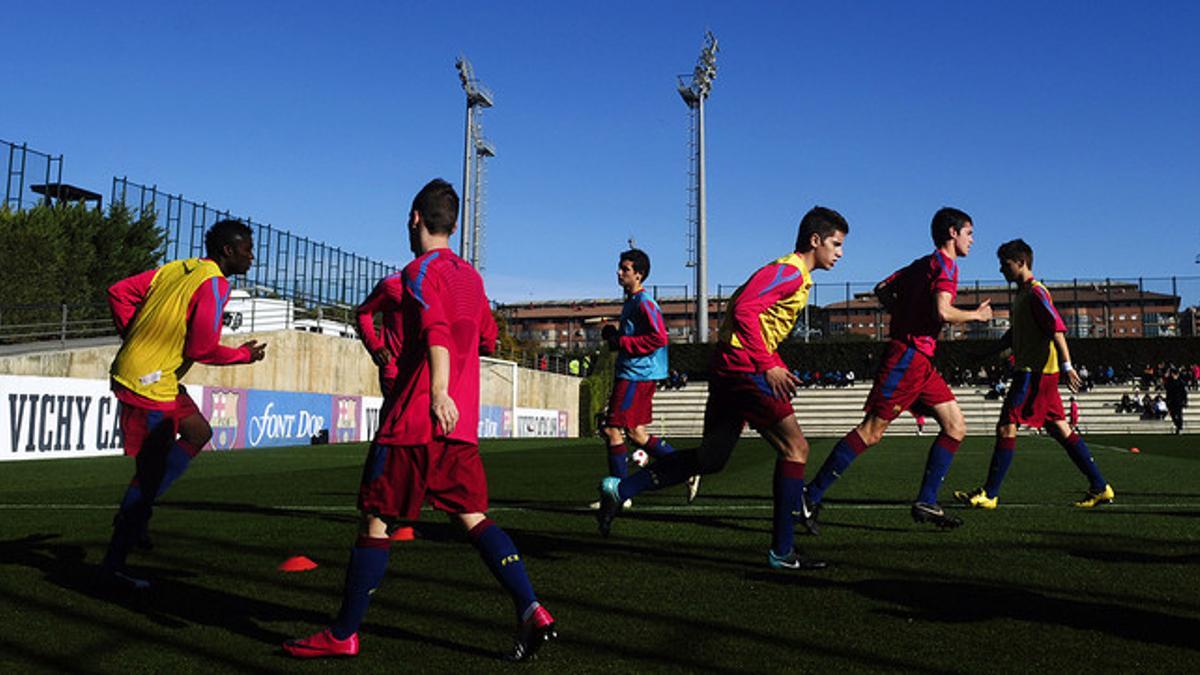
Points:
(832, 412)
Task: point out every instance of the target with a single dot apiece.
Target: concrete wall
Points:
(301, 361)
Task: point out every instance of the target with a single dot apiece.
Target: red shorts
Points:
(907, 380)
(398, 479)
(1033, 400)
(629, 405)
(738, 398)
(142, 427)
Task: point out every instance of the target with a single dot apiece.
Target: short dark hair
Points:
(641, 261)
(822, 222)
(1016, 250)
(947, 218)
(225, 233)
(437, 203)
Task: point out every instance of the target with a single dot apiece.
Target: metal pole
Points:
(701, 235)
(475, 213)
(464, 242)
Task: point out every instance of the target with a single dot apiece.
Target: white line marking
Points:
(636, 509)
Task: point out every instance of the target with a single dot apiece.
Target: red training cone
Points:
(1134, 450)
(297, 563)
(403, 534)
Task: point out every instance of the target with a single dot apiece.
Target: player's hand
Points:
(1074, 382)
(984, 312)
(782, 382)
(609, 335)
(257, 351)
(382, 356)
(445, 412)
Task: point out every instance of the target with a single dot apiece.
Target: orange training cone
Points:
(297, 564)
(1134, 450)
(403, 534)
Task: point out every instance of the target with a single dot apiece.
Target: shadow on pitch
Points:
(963, 602)
(255, 509)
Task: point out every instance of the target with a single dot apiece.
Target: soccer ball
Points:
(640, 457)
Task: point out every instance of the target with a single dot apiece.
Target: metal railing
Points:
(288, 265)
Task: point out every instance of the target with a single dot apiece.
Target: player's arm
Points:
(948, 313)
(364, 315)
(125, 296)
(641, 344)
(203, 342)
(1064, 355)
(435, 329)
(489, 332)
(768, 286)
(888, 291)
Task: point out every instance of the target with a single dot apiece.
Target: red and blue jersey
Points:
(385, 298)
(761, 314)
(642, 340)
(1034, 323)
(915, 318)
(443, 304)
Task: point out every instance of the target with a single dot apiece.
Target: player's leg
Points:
(1020, 407)
(941, 453)
(655, 446)
(867, 434)
(897, 385)
(148, 434)
(722, 429)
(621, 409)
(194, 433)
(618, 452)
(1099, 491)
(789, 505)
(535, 624)
(393, 484)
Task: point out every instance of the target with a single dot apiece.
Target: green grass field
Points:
(1036, 586)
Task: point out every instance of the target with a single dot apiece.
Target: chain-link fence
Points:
(310, 273)
(27, 167)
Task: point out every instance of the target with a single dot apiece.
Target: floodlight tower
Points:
(483, 150)
(478, 98)
(694, 94)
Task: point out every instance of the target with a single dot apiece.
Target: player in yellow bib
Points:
(168, 318)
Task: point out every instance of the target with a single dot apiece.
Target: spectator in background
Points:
(573, 366)
(1086, 377)
(1176, 398)
(850, 378)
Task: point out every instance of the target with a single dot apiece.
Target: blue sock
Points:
(1002, 457)
(618, 463)
(178, 458)
(670, 470)
(501, 557)
(368, 563)
(1079, 453)
(941, 453)
(658, 447)
(789, 490)
(845, 452)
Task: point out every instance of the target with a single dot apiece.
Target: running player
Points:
(385, 299)
(641, 345)
(1039, 343)
(920, 299)
(750, 383)
(168, 318)
(427, 446)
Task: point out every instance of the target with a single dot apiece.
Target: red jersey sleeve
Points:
(642, 344)
(1044, 313)
(377, 301)
(768, 286)
(125, 296)
(945, 276)
(203, 341)
(488, 331)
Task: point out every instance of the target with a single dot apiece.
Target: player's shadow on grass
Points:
(958, 602)
(255, 509)
(1138, 557)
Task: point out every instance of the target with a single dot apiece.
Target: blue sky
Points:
(1070, 124)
